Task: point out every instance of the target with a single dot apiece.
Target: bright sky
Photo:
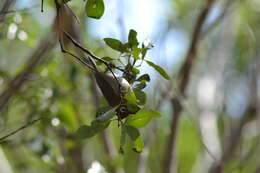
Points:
(148, 18)
(143, 16)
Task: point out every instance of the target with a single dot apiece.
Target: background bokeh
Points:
(221, 110)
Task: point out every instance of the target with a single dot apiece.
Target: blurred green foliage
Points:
(62, 91)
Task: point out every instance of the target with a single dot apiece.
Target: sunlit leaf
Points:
(131, 101)
(130, 96)
(136, 51)
(122, 139)
(136, 138)
(138, 145)
(67, 114)
(95, 8)
(135, 71)
(115, 44)
(132, 132)
(158, 69)
(141, 118)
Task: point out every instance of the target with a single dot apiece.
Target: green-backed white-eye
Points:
(109, 86)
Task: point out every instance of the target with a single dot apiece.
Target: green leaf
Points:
(136, 51)
(145, 77)
(131, 101)
(95, 8)
(115, 44)
(122, 139)
(130, 96)
(135, 71)
(100, 126)
(141, 118)
(158, 69)
(132, 38)
(127, 46)
(138, 145)
(106, 58)
(106, 116)
(67, 114)
(140, 96)
(136, 138)
(85, 131)
(140, 85)
(132, 132)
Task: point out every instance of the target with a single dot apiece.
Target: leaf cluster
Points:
(124, 94)
(130, 113)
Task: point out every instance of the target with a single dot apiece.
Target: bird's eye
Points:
(123, 109)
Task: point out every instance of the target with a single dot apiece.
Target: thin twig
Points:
(42, 6)
(76, 44)
(90, 54)
(75, 56)
(81, 60)
(109, 65)
(2, 139)
(73, 14)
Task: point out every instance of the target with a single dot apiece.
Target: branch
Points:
(81, 60)
(76, 44)
(203, 35)
(218, 20)
(6, 5)
(2, 139)
(184, 73)
(187, 66)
